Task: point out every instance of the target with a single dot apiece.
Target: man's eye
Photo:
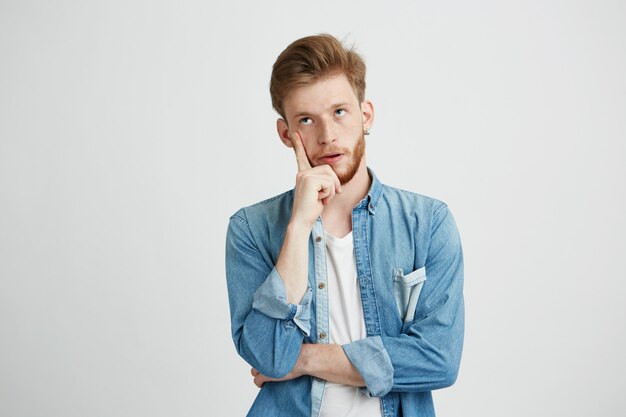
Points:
(305, 121)
(340, 112)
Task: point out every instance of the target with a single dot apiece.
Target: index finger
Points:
(303, 161)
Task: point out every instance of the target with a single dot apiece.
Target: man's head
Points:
(309, 59)
(318, 88)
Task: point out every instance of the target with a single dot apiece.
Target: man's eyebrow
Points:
(334, 106)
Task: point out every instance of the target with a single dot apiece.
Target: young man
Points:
(346, 295)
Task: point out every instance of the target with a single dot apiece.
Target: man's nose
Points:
(326, 134)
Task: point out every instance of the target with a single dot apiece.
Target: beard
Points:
(357, 155)
(346, 174)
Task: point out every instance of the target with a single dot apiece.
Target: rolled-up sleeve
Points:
(270, 299)
(371, 359)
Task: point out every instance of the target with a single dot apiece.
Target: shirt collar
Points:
(372, 198)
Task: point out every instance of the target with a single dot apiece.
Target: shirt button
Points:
(371, 206)
(322, 335)
(321, 286)
(318, 239)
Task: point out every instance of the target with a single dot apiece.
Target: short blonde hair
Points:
(311, 58)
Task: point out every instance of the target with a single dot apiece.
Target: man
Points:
(346, 295)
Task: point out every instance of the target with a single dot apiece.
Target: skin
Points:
(321, 118)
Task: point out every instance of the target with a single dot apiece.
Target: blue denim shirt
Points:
(410, 274)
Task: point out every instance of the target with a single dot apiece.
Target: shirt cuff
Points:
(371, 359)
(270, 299)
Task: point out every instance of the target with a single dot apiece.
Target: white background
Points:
(131, 130)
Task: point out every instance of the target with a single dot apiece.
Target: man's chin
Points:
(344, 175)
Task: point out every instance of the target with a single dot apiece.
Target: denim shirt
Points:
(410, 274)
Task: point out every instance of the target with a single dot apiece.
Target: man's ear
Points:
(283, 132)
(367, 110)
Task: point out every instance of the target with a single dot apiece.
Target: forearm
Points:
(329, 362)
(293, 262)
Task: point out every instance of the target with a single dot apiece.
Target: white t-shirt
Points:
(346, 324)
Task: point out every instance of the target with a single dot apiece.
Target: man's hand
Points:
(260, 379)
(315, 186)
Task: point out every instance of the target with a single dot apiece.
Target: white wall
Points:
(130, 131)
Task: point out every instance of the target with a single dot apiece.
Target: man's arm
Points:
(266, 329)
(270, 305)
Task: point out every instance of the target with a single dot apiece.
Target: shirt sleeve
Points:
(271, 299)
(267, 331)
(427, 355)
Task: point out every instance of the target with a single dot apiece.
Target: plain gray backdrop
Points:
(131, 130)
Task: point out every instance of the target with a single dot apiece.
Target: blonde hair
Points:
(311, 58)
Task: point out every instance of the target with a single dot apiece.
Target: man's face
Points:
(330, 121)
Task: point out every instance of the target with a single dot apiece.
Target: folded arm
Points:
(325, 361)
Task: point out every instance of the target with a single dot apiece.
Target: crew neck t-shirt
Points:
(346, 324)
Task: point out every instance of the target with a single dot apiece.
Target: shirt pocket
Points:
(407, 290)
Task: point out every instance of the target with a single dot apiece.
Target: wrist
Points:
(304, 363)
(298, 228)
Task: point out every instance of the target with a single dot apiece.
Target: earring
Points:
(366, 131)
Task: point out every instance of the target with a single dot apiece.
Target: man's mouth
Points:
(331, 158)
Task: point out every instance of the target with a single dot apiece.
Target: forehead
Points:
(321, 95)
